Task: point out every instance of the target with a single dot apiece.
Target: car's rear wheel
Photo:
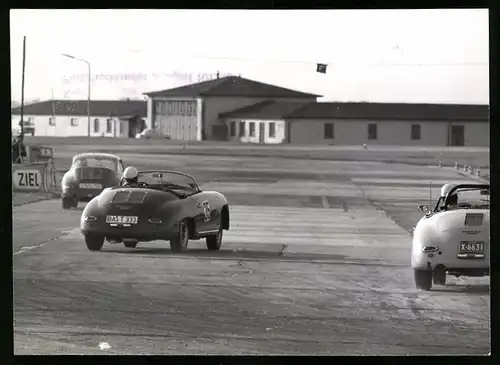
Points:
(439, 276)
(67, 203)
(180, 242)
(130, 244)
(214, 241)
(94, 242)
(423, 279)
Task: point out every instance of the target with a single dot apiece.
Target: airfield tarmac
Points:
(316, 263)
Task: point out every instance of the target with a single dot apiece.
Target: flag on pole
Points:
(321, 68)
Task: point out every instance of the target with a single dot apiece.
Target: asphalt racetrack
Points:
(316, 263)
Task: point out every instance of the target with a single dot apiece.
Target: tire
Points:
(439, 276)
(130, 244)
(180, 242)
(423, 279)
(67, 203)
(94, 243)
(214, 241)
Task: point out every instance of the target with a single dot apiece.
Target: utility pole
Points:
(22, 88)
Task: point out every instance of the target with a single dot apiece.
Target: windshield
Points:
(167, 179)
(473, 198)
(96, 161)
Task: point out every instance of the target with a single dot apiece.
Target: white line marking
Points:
(29, 248)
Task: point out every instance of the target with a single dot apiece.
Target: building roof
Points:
(232, 86)
(79, 108)
(392, 111)
(265, 110)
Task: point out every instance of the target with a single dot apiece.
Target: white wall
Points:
(63, 127)
(280, 131)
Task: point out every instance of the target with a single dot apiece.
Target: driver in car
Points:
(452, 201)
(130, 177)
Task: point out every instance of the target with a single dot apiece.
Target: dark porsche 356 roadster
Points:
(163, 205)
(89, 174)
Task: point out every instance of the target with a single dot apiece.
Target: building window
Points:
(96, 125)
(252, 129)
(109, 125)
(160, 107)
(272, 130)
(372, 131)
(415, 132)
(52, 121)
(242, 129)
(73, 122)
(328, 131)
(232, 129)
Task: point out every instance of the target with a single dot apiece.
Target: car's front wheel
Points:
(423, 279)
(180, 242)
(214, 241)
(94, 243)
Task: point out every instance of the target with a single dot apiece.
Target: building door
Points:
(457, 135)
(262, 133)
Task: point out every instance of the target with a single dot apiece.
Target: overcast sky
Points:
(429, 56)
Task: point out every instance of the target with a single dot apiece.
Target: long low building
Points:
(64, 118)
(339, 123)
(239, 109)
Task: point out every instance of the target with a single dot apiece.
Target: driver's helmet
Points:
(130, 175)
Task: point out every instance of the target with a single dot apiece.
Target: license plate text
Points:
(120, 219)
(471, 247)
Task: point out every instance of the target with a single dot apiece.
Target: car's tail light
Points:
(90, 218)
(428, 249)
(155, 221)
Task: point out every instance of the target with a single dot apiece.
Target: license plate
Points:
(90, 186)
(120, 219)
(471, 247)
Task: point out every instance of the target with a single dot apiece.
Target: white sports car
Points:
(454, 237)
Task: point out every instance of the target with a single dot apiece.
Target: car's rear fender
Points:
(436, 242)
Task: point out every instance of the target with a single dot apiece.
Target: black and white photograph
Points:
(250, 182)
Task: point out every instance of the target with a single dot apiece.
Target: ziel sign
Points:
(27, 179)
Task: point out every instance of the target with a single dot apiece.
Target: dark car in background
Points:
(89, 175)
